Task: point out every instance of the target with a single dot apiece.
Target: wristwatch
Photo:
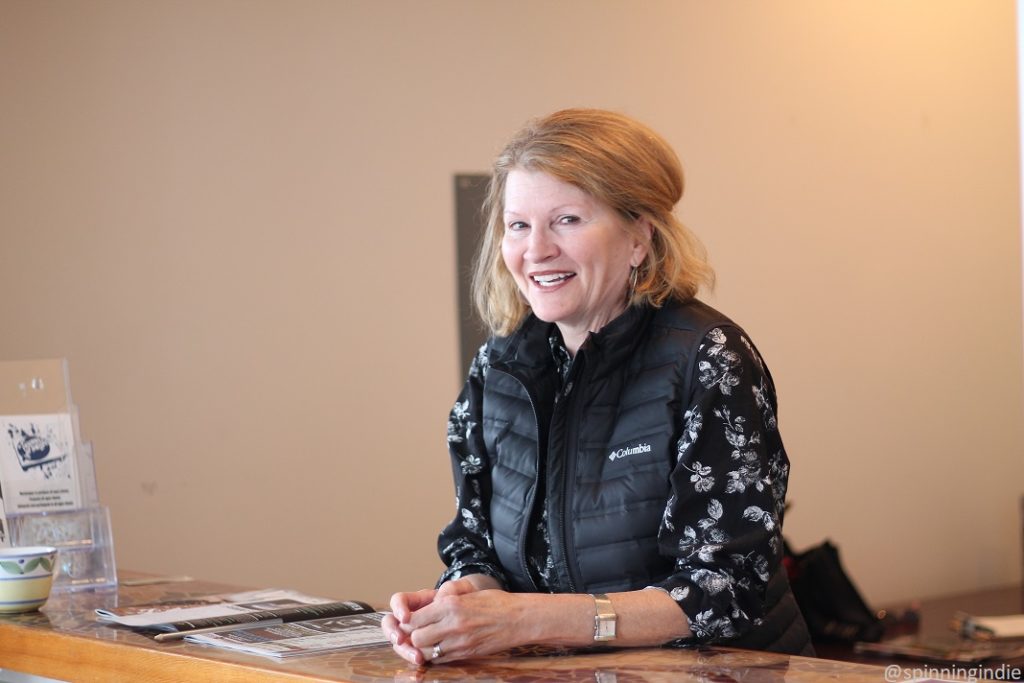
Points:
(604, 618)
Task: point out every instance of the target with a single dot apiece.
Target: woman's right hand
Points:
(403, 605)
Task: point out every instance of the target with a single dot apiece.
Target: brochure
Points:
(38, 466)
(297, 638)
(212, 611)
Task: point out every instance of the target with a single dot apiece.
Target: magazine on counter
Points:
(212, 611)
(297, 638)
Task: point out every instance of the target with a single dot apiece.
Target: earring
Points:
(634, 275)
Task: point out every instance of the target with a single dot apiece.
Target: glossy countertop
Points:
(66, 642)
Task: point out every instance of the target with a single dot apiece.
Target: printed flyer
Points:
(38, 468)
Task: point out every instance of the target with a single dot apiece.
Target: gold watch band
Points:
(604, 618)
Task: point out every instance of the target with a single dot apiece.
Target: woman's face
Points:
(569, 253)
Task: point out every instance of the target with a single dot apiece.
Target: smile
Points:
(551, 279)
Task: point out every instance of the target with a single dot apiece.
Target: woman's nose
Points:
(540, 245)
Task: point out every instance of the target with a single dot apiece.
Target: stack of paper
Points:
(272, 623)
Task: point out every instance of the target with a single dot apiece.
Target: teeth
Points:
(549, 280)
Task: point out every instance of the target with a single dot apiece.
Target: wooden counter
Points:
(64, 641)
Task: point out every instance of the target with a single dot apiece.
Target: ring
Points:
(437, 652)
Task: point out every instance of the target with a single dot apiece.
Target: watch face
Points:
(605, 629)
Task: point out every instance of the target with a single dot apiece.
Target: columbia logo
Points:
(632, 450)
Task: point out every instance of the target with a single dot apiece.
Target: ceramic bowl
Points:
(26, 575)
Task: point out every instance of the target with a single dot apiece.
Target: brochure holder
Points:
(85, 546)
(48, 492)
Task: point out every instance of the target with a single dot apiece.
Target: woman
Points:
(619, 473)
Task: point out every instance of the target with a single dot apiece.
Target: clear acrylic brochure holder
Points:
(85, 550)
(81, 531)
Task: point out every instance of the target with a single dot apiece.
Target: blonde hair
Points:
(616, 160)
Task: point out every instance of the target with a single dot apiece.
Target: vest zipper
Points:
(531, 500)
(573, 411)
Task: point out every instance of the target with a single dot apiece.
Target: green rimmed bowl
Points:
(26, 575)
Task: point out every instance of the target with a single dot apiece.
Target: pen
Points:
(178, 635)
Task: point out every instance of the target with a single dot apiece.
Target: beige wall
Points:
(235, 219)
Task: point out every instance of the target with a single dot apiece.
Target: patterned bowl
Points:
(26, 575)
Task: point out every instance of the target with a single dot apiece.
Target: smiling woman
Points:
(614, 161)
(570, 254)
(619, 473)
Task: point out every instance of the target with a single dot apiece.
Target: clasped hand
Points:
(463, 618)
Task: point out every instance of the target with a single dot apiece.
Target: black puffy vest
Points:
(625, 395)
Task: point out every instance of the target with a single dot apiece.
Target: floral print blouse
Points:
(725, 495)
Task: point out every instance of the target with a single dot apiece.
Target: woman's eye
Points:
(568, 220)
(517, 225)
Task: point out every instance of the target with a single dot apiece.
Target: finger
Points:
(409, 654)
(426, 637)
(399, 604)
(434, 654)
(392, 629)
(428, 617)
(404, 604)
(456, 587)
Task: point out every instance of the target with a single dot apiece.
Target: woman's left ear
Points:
(644, 233)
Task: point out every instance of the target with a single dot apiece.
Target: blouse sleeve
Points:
(722, 521)
(465, 545)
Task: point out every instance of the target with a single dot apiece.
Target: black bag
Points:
(832, 607)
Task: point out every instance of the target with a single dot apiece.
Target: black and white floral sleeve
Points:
(722, 520)
(465, 545)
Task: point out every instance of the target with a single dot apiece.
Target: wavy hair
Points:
(616, 160)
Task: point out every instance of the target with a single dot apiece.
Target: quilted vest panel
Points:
(610, 446)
